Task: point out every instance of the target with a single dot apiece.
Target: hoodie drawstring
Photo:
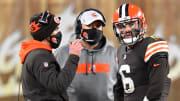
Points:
(92, 65)
(86, 65)
(92, 62)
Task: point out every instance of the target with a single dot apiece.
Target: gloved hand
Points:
(75, 47)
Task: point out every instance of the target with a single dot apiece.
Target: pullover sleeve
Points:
(48, 74)
(159, 83)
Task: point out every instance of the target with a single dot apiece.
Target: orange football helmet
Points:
(129, 14)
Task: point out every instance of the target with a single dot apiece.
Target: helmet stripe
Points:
(120, 11)
(126, 10)
(123, 10)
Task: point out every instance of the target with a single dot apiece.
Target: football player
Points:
(143, 62)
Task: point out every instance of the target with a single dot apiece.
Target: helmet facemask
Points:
(128, 31)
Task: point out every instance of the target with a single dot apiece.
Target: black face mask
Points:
(91, 36)
(55, 40)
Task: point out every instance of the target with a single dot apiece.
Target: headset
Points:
(78, 25)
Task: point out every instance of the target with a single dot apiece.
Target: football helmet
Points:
(132, 16)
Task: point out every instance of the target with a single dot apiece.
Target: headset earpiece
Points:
(78, 26)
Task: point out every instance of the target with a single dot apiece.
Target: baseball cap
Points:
(89, 17)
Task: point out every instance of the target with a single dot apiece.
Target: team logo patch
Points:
(46, 64)
(34, 27)
(85, 35)
(94, 15)
(57, 20)
(54, 40)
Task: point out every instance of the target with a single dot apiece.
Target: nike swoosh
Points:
(155, 65)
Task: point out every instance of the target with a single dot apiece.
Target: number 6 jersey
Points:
(143, 71)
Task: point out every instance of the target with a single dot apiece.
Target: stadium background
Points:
(162, 17)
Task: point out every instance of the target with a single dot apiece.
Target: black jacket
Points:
(42, 78)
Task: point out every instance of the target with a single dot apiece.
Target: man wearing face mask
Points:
(42, 78)
(97, 69)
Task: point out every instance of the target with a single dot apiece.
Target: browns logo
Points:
(94, 15)
(85, 35)
(57, 19)
(34, 27)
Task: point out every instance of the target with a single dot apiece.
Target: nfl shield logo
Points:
(45, 64)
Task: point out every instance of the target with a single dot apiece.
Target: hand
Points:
(75, 47)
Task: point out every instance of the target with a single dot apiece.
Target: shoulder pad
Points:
(154, 47)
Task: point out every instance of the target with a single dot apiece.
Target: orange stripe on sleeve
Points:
(161, 49)
(155, 45)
